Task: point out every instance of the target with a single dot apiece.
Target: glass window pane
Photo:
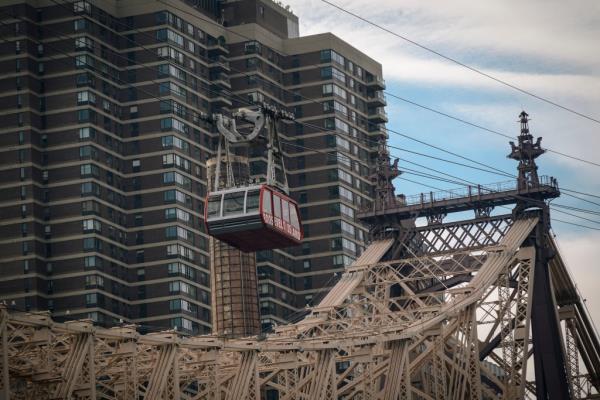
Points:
(233, 203)
(294, 217)
(266, 200)
(252, 201)
(285, 210)
(214, 204)
(277, 206)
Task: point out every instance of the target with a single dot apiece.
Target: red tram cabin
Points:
(253, 218)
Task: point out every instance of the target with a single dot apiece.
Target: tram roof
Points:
(237, 189)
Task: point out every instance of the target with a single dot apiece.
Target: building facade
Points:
(105, 137)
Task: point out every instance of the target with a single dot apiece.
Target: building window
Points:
(176, 213)
(252, 47)
(167, 35)
(349, 245)
(82, 7)
(177, 250)
(170, 160)
(135, 165)
(182, 324)
(84, 43)
(89, 207)
(170, 53)
(181, 269)
(84, 79)
(91, 299)
(84, 115)
(80, 25)
(94, 281)
(171, 88)
(330, 55)
(182, 287)
(349, 212)
(346, 194)
(84, 61)
(91, 225)
(87, 152)
(177, 232)
(174, 141)
(175, 124)
(90, 188)
(90, 244)
(87, 133)
(178, 179)
(88, 170)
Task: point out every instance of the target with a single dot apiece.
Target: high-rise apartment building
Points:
(106, 132)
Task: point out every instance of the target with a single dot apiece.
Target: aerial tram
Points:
(259, 215)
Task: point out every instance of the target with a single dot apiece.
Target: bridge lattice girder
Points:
(442, 313)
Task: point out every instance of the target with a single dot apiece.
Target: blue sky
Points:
(547, 47)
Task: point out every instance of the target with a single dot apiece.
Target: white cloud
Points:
(523, 40)
(549, 29)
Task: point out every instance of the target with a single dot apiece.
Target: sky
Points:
(546, 47)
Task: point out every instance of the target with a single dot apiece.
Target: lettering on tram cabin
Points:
(281, 225)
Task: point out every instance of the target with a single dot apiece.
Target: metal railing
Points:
(472, 191)
(378, 95)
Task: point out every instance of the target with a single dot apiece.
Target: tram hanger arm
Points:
(227, 126)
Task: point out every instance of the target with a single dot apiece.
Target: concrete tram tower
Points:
(233, 279)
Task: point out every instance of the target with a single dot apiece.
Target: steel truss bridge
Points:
(479, 309)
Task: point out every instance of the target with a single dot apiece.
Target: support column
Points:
(245, 384)
(164, 380)
(573, 358)
(233, 276)
(549, 359)
(397, 380)
(79, 368)
(323, 384)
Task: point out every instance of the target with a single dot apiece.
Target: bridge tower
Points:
(525, 153)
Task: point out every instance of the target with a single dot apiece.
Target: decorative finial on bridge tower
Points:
(385, 173)
(525, 153)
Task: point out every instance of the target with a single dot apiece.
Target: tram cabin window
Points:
(214, 206)
(252, 201)
(277, 206)
(294, 218)
(266, 202)
(233, 203)
(285, 210)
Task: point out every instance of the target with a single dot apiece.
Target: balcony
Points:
(377, 130)
(378, 116)
(217, 47)
(219, 99)
(220, 79)
(219, 63)
(377, 99)
(376, 83)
